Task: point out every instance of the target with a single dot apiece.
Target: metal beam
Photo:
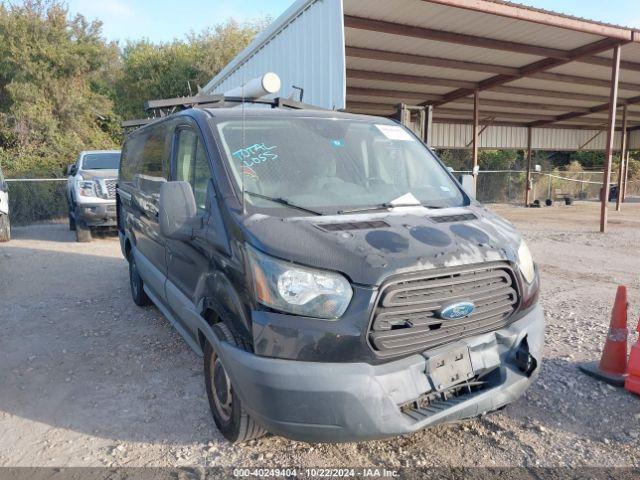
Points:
(593, 137)
(536, 92)
(623, 152)
(515, 115)
(413, 79)
(535, 67)
(502, 123)
(542, 17)
(413, 59)
(476, 136)
(486, 123)
(576, 79)
(597, 109)
(388, 109)
(611, 126)
(626, 174)
(447, 82)
(398, 57)
(527, 186)
(462, 117)
(407, 94)
(404, 30)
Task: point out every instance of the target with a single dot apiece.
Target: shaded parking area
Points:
(89, 379)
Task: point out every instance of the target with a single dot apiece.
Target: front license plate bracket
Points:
(448, 368)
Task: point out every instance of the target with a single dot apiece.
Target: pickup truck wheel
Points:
(72, 222)
(83, 232)
(138, 294)
(230, 417)
(5, 229)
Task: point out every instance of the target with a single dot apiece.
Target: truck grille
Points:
(406, 316)
(107, 188)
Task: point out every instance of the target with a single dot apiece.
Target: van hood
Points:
(367, 248)
(94, 174)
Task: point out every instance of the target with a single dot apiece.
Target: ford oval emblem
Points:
(457, 310)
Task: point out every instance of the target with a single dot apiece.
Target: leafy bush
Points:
(36, 201)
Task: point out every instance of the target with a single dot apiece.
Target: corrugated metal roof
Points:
(387, 48)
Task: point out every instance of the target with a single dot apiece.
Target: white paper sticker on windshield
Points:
(395, 132)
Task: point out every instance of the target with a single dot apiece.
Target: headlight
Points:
(87, 188)
(525, 262)
(300, 290)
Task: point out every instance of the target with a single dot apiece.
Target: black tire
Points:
(83, 233)
(5, 228)
(72, 222)
(138, 294)
(232, 420)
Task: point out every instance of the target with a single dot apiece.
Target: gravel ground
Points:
(89, 379)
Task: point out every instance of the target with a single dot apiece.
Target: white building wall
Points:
(305, 47)
(634, 140)
(453, 135)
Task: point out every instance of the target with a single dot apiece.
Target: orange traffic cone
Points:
(632, 382)
(613, 363)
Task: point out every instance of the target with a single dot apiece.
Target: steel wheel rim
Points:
(221, 387)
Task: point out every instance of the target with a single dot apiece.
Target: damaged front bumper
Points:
(337, 402)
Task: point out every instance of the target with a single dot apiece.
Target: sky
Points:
(164, 20)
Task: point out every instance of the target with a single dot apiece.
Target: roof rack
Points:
(164, 107)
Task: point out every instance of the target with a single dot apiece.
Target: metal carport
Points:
(522, 77)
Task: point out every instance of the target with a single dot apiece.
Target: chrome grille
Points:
(111, 187)
(406, 316)
(107, 188)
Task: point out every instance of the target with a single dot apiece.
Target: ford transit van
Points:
(337, 280)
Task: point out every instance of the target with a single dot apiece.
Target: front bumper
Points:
(337, 402)
(96, 215)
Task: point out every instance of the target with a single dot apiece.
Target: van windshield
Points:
(101, 161)
(333, 165)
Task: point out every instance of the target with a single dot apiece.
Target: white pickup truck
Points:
(91, 191)
(5, 229)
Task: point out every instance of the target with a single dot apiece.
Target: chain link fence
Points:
(37, 199)
(34, 200)
(507, 186)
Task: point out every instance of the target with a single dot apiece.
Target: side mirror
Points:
(72, 169)
(177, 212)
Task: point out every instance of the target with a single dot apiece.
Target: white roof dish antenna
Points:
(267, 84)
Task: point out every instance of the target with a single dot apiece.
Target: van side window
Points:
(131, 155)
(151, 164)
(192, 166)
(153, 155)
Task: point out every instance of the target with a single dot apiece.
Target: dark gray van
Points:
(336, 278)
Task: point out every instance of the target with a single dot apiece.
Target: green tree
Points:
(51, 106)
(151, 71)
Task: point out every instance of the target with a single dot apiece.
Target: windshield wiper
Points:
(283, 201)
(384, 206)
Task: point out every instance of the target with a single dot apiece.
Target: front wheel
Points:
(83, 232)
(5, 228)
(72, 222)
(138, 294)
(230, 417)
